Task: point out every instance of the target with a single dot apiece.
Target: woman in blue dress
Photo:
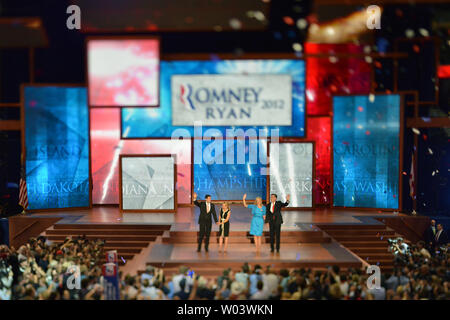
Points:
(257, 224)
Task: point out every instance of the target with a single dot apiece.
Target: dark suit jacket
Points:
(204, 216)
(443, 239)
(429, 235)
(276, 212)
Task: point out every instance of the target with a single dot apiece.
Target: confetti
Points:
(430, 151)
(298, 256)
(259, 16)
(288, 20)
(424, 32)
(302, 23)
(409, 33)
(235, 24)
(124, 261)
(371, 97)
(416, 131)
(297, 47)
(333, 59)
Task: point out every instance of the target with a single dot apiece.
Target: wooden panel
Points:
(21, 229)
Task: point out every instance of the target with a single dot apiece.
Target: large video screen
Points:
(255, 97)
(123, 72)
(366, 139)
(226, 169)
(106, 146)
(291, 172)
(148, 183)
(57, 146)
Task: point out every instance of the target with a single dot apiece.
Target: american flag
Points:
(23, 192)
(412, 191)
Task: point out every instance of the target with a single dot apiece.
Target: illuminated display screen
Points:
(57, 146)
(106, 146)
(148, 183)
(226, 169)
(158, 122)
(328, 76)
(291, 172)
(123, 72)
(366, 151)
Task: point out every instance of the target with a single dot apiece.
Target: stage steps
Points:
(367, 241)
(245, 237)
(128, 239)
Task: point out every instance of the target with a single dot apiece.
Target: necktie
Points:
(437, 235)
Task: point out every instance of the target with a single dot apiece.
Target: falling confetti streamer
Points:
(416, 131)
(235, 24)
(288, 20)
(409, 33)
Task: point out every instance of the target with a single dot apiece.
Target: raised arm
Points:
(243, 200)
(288, 197)
(194, 197)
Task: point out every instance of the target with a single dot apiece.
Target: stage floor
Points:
(186, 217)
(178, 250)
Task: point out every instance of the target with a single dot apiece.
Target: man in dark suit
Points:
(441, 238)
(430, 234)
(204, 220)
(275, 219)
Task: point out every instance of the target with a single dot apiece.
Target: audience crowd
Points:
(41, 271)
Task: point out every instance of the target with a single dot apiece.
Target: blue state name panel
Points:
(366, 142)
(57, 146)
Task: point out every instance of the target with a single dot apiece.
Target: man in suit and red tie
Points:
(441, 238)
(275, 219)
(204, 220)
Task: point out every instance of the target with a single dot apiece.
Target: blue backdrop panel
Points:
(57, 146)
(366, 151)
(157, 122)
(229, 180)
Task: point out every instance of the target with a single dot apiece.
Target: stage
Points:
(310, 238)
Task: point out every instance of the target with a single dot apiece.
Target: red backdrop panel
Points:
(319, 130)
(326, 77)
(106, 146)
(123, 72)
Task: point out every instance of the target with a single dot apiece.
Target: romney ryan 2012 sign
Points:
(232, 100)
